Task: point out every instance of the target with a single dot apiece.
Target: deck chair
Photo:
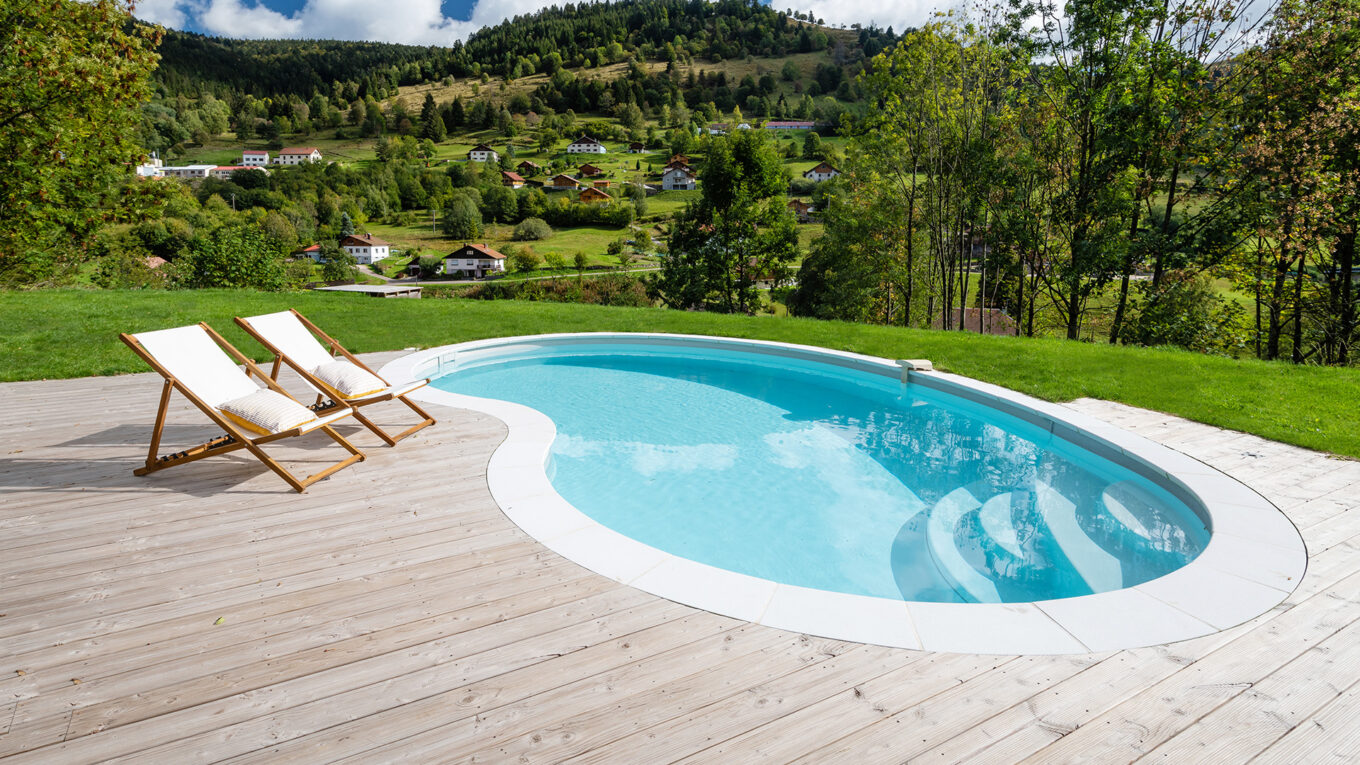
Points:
(194, 360)
(329, 369)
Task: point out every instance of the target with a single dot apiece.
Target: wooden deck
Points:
(392, 613)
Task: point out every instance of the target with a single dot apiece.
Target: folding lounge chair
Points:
(329, 369)
(194, 361)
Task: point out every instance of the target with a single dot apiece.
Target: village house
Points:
(561, 183)
(152, 168)
(365, 248)
(603, 184)
(678, 165)
(254, 158)
(585, 145)
(802, 210)
(636, 147)
(589, 171)
(476, 260)
(483, 153)
(513, 180)
(296, 156)
(822, 172)
(312, 252)
(789, 125)
(592, 195)
(224, 171)
(527, 168)
(192, 172)
(677, 179)
(681, 158)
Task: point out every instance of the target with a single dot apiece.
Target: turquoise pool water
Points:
(812, 475)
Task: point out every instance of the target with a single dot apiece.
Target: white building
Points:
(475, 259)
(822, 172)
(193, 172)
(224, 171)
(152, 168)
(483, 153)
(296, 156)
(256, 158)
(677, 179)
(585, 145)
(366, 249)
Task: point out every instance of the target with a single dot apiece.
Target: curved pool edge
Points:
(1254, 560)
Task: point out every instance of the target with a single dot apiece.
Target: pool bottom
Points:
(1254, 559)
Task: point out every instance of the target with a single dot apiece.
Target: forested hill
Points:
(573, 35)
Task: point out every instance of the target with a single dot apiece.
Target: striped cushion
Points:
(351, 380)
(266, 411)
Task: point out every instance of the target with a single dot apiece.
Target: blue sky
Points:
(436, 22)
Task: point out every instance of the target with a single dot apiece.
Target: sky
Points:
(432, 22)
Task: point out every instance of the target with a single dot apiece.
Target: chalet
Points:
(676, 164)
(194, 172)
(561, 183)
(589, 171)
(313, 253)
(636, 147)
(681, 158)
(789, 125)
(296, 156)
(527, 168)
(366, 249)
(483, 153)
(513, 180)
(591, 195)
(602, 184)
(585, 145)
(476, 260)
(254, 158)
(802, 210)
(822, 172)
(677, 179)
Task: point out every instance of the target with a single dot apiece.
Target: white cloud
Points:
(167, 13)
(898, 14)
(233, 18)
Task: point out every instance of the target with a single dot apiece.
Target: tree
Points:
(346, 225)
(739, 231)
(432, 126)
(339, 265)
(532, 229)
(812, 146)
(462, 219)
(72, 75)
(579, 260)
(237, 257)
(522, 260)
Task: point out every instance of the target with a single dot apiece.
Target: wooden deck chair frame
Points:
(235, 437)
(336, 349)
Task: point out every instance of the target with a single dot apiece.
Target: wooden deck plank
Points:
(394, 612)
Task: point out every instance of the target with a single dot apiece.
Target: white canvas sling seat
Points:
(330, 370)
(203, 367)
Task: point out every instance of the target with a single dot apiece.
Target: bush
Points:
(532, 230)
(522, 261)
(239, 257)
(1185, 311)
(339, 265)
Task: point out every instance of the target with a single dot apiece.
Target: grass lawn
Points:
(73, 333)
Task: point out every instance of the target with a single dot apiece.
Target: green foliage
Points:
(1185, 311)
(522, 260)
(237, 257)
(462, 220)
(71, 77)
(738, 233)
(339, 265)
(532, 229)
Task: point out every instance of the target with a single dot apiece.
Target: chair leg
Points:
(391, 440)
(300, 485)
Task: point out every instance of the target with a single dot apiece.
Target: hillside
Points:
(587, 35)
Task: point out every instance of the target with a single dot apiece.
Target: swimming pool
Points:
(839, 495)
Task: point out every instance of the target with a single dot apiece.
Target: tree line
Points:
(1150, 172)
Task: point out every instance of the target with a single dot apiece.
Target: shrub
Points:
(233, 257)
(522, 260)
(532, 230)
(339, 265)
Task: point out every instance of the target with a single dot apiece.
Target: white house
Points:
(585, 145)
(789, 125)
(189, 171)
(677, 179)
(255, 158)
(296, 156)
(312, 251)
(366, 249)
(152, 168)
(475, 259)
(822, 172)
(483, 153)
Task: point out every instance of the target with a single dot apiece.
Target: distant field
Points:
(73, 333)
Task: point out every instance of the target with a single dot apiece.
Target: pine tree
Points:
(431, 124)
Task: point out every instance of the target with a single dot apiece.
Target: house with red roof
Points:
(476, 260)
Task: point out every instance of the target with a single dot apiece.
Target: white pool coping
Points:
(1255, 557)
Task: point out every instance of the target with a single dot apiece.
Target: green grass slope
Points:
(74, 333)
